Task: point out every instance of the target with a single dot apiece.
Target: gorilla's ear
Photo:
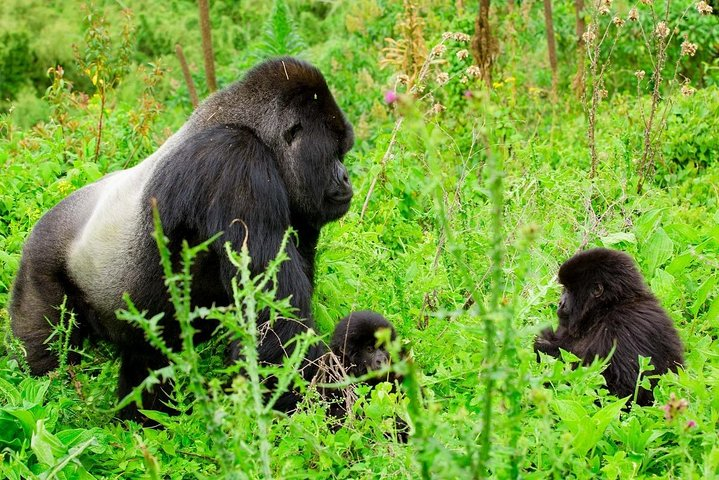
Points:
(598, 290)
(292, 132)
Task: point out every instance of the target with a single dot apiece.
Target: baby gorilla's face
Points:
(372, 358)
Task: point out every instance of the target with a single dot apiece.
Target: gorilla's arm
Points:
(230, 183)
(549, 342)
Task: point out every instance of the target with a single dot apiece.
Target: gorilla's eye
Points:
(292, 133)
(369, 349)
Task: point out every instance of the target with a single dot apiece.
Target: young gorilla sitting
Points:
(607, 306)
(355, 344)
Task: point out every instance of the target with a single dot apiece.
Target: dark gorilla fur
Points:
(605, 303)
(355, 345)
(254, 159)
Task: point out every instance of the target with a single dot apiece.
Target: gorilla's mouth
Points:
(340, 198)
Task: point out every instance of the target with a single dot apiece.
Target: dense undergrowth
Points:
(466, 202)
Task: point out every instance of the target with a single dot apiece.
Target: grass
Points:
(473, 207)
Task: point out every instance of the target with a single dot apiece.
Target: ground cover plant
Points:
(476, 176)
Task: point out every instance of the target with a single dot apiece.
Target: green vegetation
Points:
(467, 201)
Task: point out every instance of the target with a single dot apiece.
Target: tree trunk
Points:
(551, 45)
(578, 82)
(207, 45)
(482, 43)
(188, 77)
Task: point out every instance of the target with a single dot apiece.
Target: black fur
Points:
(605, 302)
(261, 156)
(355, 344)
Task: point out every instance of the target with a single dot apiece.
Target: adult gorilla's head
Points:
(288, 105)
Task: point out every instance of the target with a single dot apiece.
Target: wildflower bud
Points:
(462, 54)
(640, 75)
(689, 48)
(662, 30)
(463, 79)
(691, 424)
(390, 97)
(633, 14)
(442, 78)
(619, 22)
(704, 8)
(468, 94)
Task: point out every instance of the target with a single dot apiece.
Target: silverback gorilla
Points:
(605, 304)
(254, 159)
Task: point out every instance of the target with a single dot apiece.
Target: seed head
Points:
(689, 48)
(603, 9)
(442, 78)
(462, 37)
(633, 14)
(462, 54)
(474, 71)
(662, 30)
(439, 50)
(619, 22)
(704, 8)
(687, 90)
(640, 75)
(437, 108)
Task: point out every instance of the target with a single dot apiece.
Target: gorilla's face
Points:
(315, 139)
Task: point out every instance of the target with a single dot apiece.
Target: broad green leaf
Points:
(658, 251)
(46, 446)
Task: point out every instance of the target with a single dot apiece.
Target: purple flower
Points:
(468, 94)
(691, 424)
(390, 96)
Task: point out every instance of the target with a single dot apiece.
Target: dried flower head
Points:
(618, 21)
(437, 108)
(474, 71)
(674, 406)
(704, 8)
(633, 14)
(442, 78)
(640, 75)
(603, 93)
(603, 9)
(647, 2)
(687, 90)
(462, 54)
(662, 30)
(590, 35)
(403, 78)
(462, 37)
(447, 35)
(689, 48)
(439, 50)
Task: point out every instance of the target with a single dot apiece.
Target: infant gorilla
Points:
(355, 344)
